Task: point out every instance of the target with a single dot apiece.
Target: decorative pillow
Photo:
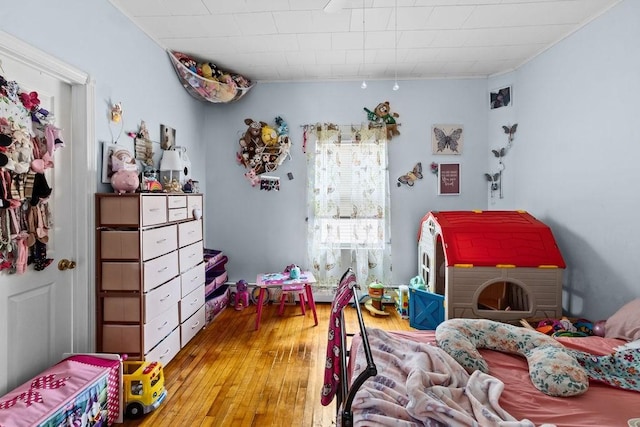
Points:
(553, 369)
(625, 323)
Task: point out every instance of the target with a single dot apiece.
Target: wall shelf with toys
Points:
(206, 82)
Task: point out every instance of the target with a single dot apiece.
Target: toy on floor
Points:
(143, 384)
(241, 296)
(402, 301)
(374, 304)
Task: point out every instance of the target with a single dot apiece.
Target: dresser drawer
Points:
(191, 303)
(159, 327)
(192, 326)
(121, 339)
(119, 244)
(193, 278)
(189, 232)
(179, 214)
(161, 299)
(154, 210)
(194, 202)
(121, 309)
(191, 256)
(120, 276)
(160, 270)
(166, 350)
(159, 241)
(121, 210)
(176, 201)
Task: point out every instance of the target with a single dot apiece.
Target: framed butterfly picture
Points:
(447, 139)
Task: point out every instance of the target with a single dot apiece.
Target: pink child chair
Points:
(291, 289)
(242, 295)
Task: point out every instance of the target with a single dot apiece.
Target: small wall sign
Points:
(449, 179)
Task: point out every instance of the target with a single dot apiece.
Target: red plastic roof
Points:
(490, 238)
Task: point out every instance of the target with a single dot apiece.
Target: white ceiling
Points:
(296, 40)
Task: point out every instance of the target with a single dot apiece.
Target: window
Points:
(348, 205)
(352, 175)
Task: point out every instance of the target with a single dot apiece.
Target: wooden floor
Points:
(231, 375)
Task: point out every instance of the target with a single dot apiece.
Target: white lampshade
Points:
(170, 161)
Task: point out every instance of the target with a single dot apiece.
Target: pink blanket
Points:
(420, 384)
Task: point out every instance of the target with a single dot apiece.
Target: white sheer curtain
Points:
(348, 204)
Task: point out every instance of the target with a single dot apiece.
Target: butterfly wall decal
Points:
(410, 177)
(510, 130)
(494, 180)
(450, 141)
(499, 153)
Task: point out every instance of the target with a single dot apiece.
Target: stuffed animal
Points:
(382, 115)
(206, 71)
(283, 128)
(269, 135)
(187, 61)
(250, 141)
(252, 177)
(263, 148)
(241, 81)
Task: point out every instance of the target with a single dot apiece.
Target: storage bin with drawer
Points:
(194, 201)
(177, 208)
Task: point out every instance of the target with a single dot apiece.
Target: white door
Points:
(44, 314)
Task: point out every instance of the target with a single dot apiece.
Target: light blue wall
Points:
(126, 65)
(265, 231)
(574, 163)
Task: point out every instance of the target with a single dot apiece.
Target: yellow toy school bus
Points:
(143, 384)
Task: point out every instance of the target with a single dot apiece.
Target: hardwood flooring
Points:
(231, 375)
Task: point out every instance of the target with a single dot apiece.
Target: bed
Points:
(81, 390)
(402, 378)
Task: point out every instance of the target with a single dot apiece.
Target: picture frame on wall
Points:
(167, 137)
(449, 179)
(447, 139)
(109, 149)
(501, 97)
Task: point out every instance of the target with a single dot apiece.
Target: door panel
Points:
(37, 307)
(26, 310)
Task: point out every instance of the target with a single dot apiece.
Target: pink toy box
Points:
(79, 390)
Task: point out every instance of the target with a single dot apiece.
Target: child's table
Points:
(272, 280)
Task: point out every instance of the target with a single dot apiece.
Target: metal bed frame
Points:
(346, 393)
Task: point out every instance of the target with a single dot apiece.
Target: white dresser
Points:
(150, 273)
